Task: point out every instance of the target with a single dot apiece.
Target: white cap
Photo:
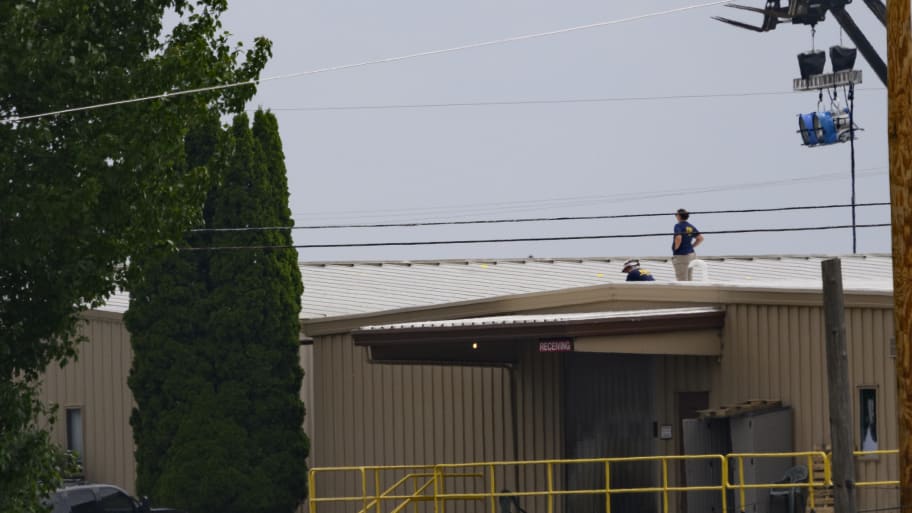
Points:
(633, 262)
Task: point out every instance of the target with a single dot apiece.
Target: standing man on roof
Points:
(634, 273)
(686, 238)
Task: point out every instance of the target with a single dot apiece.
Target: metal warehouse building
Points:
(529, 359)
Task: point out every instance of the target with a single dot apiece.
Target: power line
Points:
(526, 219)
(386, 60)
(523, 239)
(538, 204)
(542, 102)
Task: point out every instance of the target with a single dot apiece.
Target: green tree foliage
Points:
(81, 192)
(216, 375)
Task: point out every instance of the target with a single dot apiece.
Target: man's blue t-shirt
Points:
(687, 232)
(640, 275)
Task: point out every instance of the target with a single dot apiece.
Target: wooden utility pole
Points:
(899, 129)
(840, 398)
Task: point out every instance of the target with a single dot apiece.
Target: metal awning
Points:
(499, 339)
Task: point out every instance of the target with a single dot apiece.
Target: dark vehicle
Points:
(100, 498)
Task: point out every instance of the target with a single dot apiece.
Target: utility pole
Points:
(840, 399)
(899, 129)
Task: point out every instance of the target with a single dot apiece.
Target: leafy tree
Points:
(216, 375)
(81, 192)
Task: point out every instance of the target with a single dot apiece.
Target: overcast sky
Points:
(558, 159)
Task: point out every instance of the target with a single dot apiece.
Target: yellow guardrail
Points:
(429, 481)
(882, 452)
(742, 486)
(492, 494)
(422, 477)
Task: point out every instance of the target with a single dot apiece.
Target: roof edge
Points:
(660, 293)
(631, 324)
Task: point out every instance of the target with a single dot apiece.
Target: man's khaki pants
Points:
(681, 264)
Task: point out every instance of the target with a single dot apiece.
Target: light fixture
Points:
(811, 63)
(474, 345)
(842, 58)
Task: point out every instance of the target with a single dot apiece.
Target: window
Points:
(74, 432)
(868, 417)
(113, 500)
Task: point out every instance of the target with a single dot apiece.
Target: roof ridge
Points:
(577, 259)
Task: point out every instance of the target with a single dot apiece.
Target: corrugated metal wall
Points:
(610, 412)
(96, 382)
(363, 413)
(675, 374)
(540, 421)
(390, 414)
(778, 352)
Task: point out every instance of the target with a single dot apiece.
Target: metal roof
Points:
(545, 319)
(333, 289)
(349, 288)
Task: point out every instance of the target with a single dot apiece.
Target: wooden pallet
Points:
(823, 497)
(739, 409)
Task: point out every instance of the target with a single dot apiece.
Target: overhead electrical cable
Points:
(386, 60)
(538, 204)
(528, 219)
(558, 101)
(521, 239)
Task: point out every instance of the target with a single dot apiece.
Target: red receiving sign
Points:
(555, 345)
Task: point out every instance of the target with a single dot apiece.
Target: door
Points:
(609, 412)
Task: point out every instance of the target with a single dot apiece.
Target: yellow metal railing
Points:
(882, 452)
(743, 486)
(551, 493)
(422, 478)
(429, 481)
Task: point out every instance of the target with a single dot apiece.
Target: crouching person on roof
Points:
(635, 272)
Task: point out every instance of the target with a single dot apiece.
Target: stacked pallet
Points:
(752, 406)
(823, 496)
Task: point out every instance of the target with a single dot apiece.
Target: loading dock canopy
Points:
(500, 340)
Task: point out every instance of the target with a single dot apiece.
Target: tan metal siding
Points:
(96, 382)
(676, 374)
(305, 359)
(870, 365)
(539, 414)
(391, 414)
(778, 352)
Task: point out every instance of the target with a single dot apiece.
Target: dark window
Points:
(867, 405)
(74, 431)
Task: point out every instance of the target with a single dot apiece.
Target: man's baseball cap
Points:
(630, 264)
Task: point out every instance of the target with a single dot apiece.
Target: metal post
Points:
(493, 490)
(550, 488)
(364, 489)
(607, 487)
(852, 151)
(377, 494)
(811, 481)
(312, 490)
(743, 496)
(840, 400)
(899, 137)
(724, 484)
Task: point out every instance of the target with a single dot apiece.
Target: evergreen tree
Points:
(216, 375)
